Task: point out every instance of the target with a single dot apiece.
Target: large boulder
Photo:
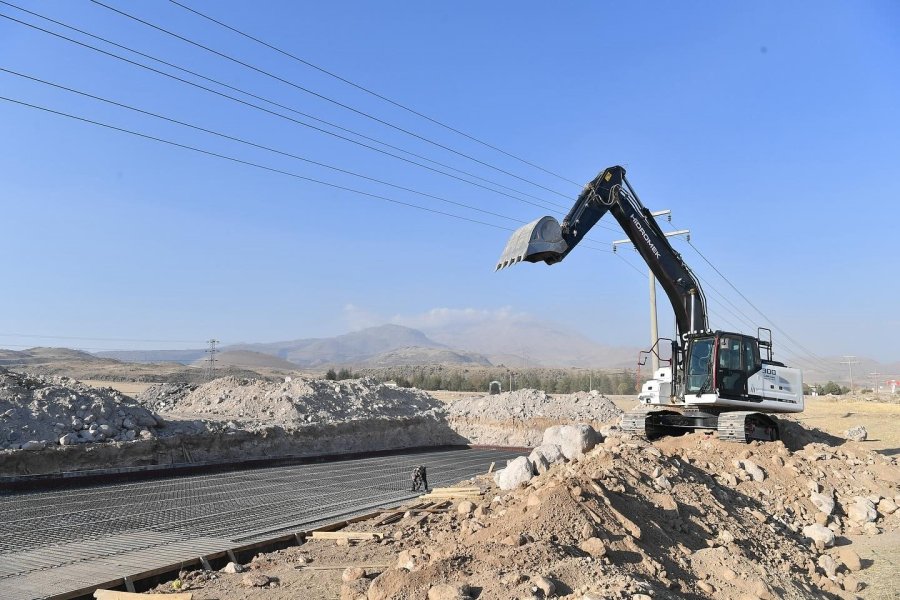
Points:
(517, 472)
(545, 456)
(824, 502)
(819, 534)
(862, 511)
(573, 440)
(856, 434)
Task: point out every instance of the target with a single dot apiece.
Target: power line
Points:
(259, 166)
(850, 362)
(251, 164)
(324, 97)
(95, 339)
(272, 112)
(747, 300)
(253, 144)
(211, 360)
(369, 91)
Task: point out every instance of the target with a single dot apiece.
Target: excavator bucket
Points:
(539, 240)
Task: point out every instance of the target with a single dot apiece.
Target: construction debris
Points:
(519, 418)
(631, 519)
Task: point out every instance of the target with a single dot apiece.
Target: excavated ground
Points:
(689, 517)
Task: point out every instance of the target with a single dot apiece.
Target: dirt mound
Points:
(689, 517)
(165, 397)
(37, 411)
(298, 402)
(519, 418)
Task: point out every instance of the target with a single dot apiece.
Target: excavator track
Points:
(740, 426)
(634, 422)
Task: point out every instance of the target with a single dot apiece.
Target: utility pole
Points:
(654, 329)
(211, 359)
(850, 362)
(874, 377)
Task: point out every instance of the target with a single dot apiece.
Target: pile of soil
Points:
(37, 411)
(519, 418)
(688, 517)
(297, 402)
(165, 397)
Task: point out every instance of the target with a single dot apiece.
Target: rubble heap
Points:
(688, 517)
(36, 412)
(519, 418)
(297, 402)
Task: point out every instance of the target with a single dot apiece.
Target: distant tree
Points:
(344, 373)
(331, 375)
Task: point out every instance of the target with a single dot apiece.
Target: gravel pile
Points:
(37, 412)
(299, 402)
(519, 418)
(165, 397)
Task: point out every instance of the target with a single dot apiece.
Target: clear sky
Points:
(770, 129)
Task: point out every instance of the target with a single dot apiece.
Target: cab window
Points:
(699, 366)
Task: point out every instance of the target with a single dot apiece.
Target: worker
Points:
(419, 478)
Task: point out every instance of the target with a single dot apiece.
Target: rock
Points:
(517, 472)
(544, 584)
(445, 591)
(886, 506)
(551, 453)
(849, 558)
(862, 511)
(707, 588)
(538, 462)
(573, 440)
(232, 568)
(255, 580)
(33, 445)
(514, 540)
(465, 507)
(354, 590)
(856, 434)
(410, 560)
(823, 502)
(532, 501)
(829, 565)
(352, 574)
(754, 470)
(128, 423)
(663, 482)
(130, 434)
(593, 546)
(819, 533)
(851, 584)
(70, 439)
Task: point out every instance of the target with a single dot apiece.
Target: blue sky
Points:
(769, 129)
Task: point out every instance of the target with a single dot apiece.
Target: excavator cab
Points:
(721, 363)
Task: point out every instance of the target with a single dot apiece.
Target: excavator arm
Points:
(549, 241)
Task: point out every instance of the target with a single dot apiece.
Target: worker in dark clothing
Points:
(419, 479)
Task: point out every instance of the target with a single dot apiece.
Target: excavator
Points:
(714, 380)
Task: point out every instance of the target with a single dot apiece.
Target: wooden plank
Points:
(347, 535)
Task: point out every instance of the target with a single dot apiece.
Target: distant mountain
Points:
(526, 341)
(348, 349)
(41, 355)
(414, 356)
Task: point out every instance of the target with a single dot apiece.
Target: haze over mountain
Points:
(512, 342)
